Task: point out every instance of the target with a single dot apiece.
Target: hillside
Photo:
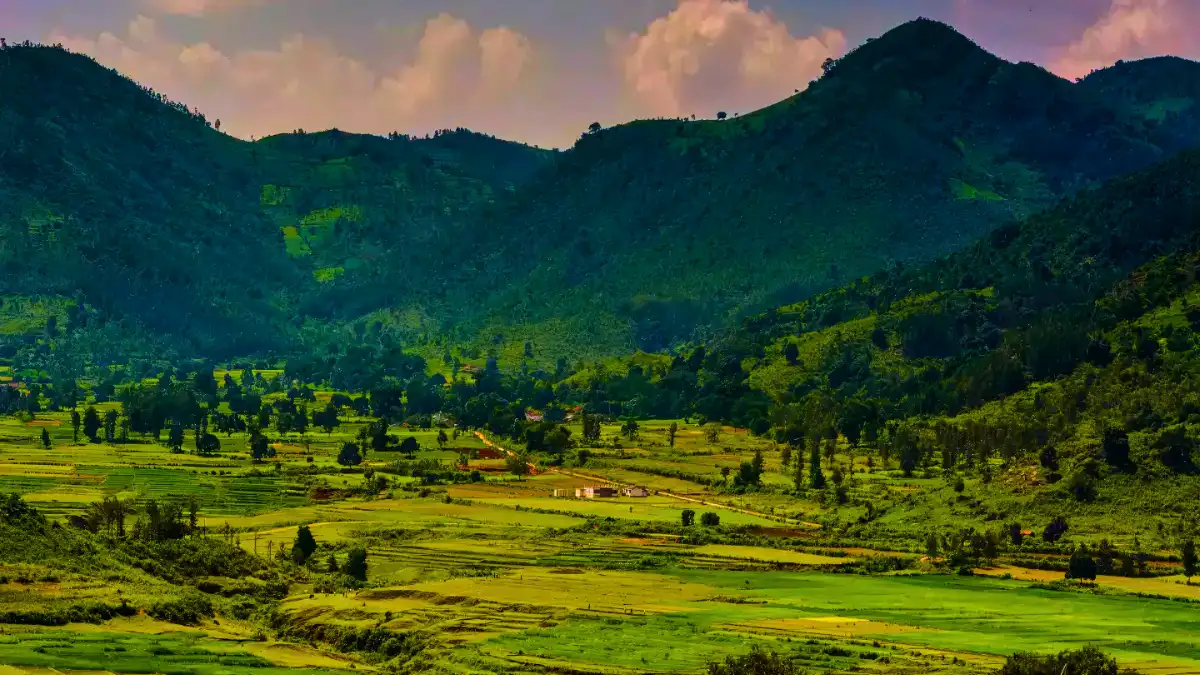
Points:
(911, 146)
(1164, 91)
(640, 237)
(139, 211)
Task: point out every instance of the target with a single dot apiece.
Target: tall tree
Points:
(1191, 564)
(304, 545)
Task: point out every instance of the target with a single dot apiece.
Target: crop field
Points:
(500, 575)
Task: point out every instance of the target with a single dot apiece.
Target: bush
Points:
(710, 519)
(1086, 661)
(186, 610)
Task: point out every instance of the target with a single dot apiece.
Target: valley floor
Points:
(502, 576)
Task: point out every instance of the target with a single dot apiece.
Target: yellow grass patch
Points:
(768, 555)
(596, 591)
(834, 626)
(1168, 586)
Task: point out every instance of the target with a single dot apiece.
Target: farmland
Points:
(495, 573)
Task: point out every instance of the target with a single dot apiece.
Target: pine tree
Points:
(1190, 562)
(304, 546)
(817, 479)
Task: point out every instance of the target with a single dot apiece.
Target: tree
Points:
(931, 546)
(45, 438)
(331, 565)
(671, 432)
(757, 662)
(304, 545)
(517, 465)
(110, 426)
(791, 352)
(349, 455)
(710, 519)
(1191, 564)
(785, 455)
(630, 429)
(594, 128)
(712, 432)
(1015, 535)
(1055, 530)
(959, 484)
(442, 439)
(92, 424)
(722, 115)
(816, 477)
(356, 564)
(1086, 661)
(327, 419)
(75, 422)
(208, 445)
(591, 427)
(410, 446)
(688, 517)
(1081, 566)
(260, 448)
(175, 439)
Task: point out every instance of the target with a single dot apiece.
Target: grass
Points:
(76, 650)
(507, 576)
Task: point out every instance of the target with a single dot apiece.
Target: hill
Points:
(909, 147)
(1164, 91)
(136, 213)
(135, 210)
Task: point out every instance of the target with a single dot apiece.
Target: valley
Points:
(497, 573)
(896, 375)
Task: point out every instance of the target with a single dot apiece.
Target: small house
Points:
(635, 491)
(532, 415)
(595, 492)
(562, 492)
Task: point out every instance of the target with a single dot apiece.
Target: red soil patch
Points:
(44, 423)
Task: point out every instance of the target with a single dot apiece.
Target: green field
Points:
(500, 575)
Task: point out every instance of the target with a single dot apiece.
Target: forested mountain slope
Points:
(909, 147)
(641, 236)
(113, 196)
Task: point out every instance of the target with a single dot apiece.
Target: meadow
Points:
(500, 575)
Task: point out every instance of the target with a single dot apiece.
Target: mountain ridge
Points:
(641, 236)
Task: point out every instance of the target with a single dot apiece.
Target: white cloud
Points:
(1133, 29)
(459, 76)
(707, 54)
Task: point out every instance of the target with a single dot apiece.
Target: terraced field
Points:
(502, 576)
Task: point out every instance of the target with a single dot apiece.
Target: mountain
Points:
(909, 147)
(1054, 363)
(113, 197)
(121, 208)
(1163, 91)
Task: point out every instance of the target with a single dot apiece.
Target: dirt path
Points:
(533, 470)
(660, 493)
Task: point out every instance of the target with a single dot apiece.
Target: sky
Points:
(541, 71)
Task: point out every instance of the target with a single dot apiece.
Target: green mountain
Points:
(114, 197)
(910, 147)
(120, 208)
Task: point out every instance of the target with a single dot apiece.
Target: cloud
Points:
(458, 76)
(709, 54)
(1132, 29)
(197, 7)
